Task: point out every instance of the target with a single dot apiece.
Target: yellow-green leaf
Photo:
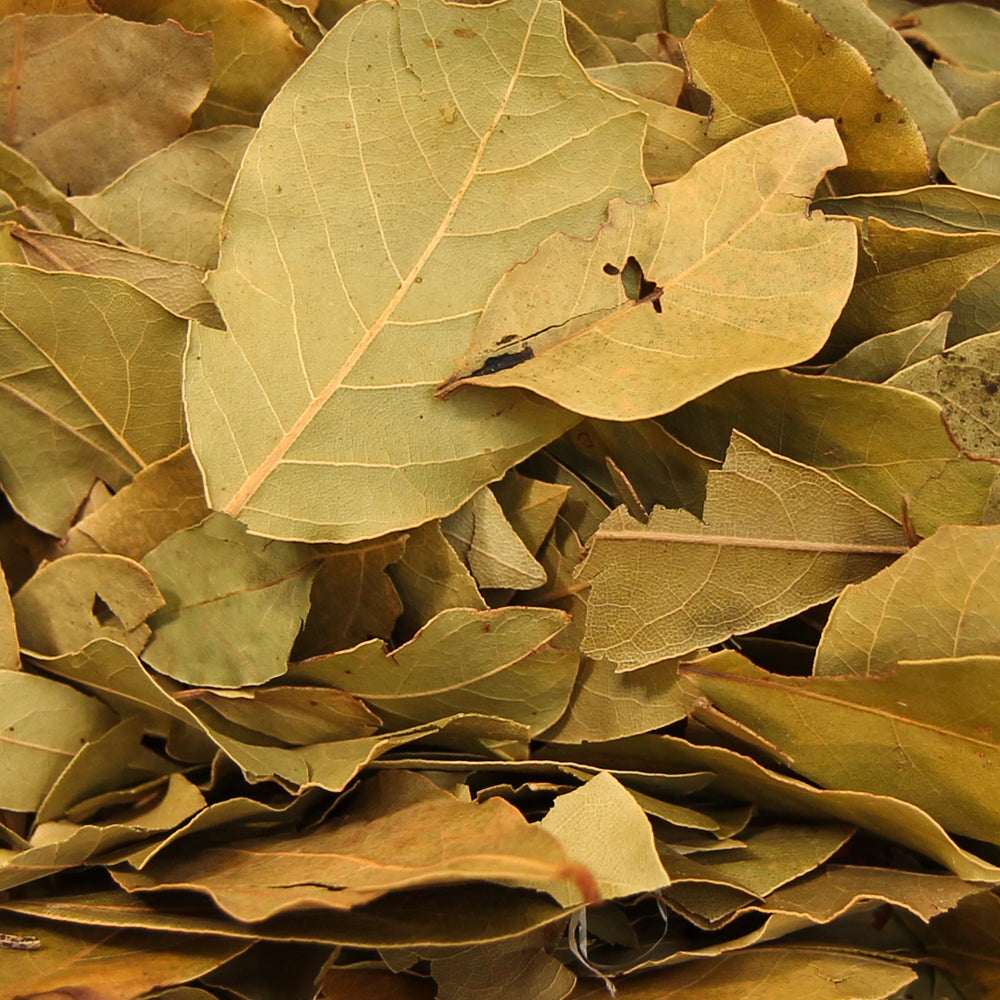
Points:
(329, 337)
(664, 302)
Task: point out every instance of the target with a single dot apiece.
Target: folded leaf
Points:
(881, 357)
(963, 33)
(72, 601)
(329, 337)
(970, 154)
(776, 538)
(491, 662)
(923, 733)
(378, 845)
(664, 303)
(938, 600)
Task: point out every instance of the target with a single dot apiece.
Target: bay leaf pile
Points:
(500, 502)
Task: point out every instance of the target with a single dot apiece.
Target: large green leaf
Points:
(691, 311)
(345, 306)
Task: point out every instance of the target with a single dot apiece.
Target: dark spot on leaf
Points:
(502, 362)
(507, 339)
(878, 117)
(464, 33)
(611, 269)
(487, 627)
(432, 43)
(840, 121)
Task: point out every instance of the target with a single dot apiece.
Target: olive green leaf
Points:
(937, 600)
(328, 338)
(923, 733)
(530, 505)
(42, 725)
(234, 604)
(603, 828)
(881, 357)
(777, 537)
(430, 578)
(488, 544)
(352, 598)
(765, 60)
(72, 601)
(662, 301)
(170, 204)
(882, 442)
(93, 94)
(962, 33)
(492, 662)
(10, 656)
(969, 89)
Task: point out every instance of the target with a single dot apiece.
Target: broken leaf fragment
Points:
(574, 325)
(328, 339)
(777, 537)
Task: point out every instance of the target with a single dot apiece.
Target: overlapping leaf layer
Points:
(499, 501)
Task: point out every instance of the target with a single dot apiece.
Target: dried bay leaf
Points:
(430, 578)
(969, 89)
(964, 382)
(94, 94)
(90, 388)
(376, 846)
(488, 544)
(922, 733)
(837, 889)
(698, 314)
(105, 963)
(765, 60)
(177, 287)
(970, 153)
(506, 970)
(164, 498)
(267, 416)
(491, 662)
(10, 655)
(530, 505)
(170, 203)
(234, 604)
(780, 971)
(963, 33)
(898, 69)
(622, 856)
(739, 777)
(255, 52)
(881, 357)
(352, 597)
(72, 601)
(290, 716)
(882, 442)
(42, 725)
(676, 584)
(938, 600)
(620, 20)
